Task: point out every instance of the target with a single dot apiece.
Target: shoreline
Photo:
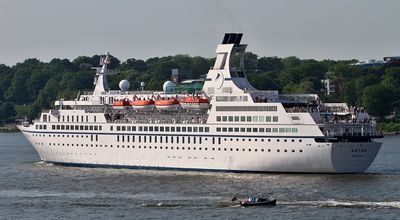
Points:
(393, 133)
(9, 128)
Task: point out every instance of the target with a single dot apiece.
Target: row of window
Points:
(41, 127)
(125, 128)
(247, 118)
(178, 148)
(77, 127)
(268, 130)
(160, 139)
(68, 118)
(162, 128)
(246, 108)
(153, 139)
(231, 98)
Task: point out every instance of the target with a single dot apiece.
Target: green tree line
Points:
(31, 86)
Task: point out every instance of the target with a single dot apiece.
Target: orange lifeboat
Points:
(145, 105)
(121, 104)
(171, 104)
(195, 103)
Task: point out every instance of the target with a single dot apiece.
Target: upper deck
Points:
(232, 101)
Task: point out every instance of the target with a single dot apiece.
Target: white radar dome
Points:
(169, 86)
(124, 85)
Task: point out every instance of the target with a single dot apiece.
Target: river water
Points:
(30, 189)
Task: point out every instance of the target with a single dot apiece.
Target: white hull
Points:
(307, 156)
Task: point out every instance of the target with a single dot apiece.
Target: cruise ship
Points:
(228, 125)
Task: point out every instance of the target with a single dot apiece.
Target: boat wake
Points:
(160, 205)
(44, 164)
(346, 204)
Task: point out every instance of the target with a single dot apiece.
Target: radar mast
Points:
(100, 80)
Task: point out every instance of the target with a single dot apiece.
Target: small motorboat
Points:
(257, 202)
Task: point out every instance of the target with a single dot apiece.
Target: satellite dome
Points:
(124, 85)
(169, 86)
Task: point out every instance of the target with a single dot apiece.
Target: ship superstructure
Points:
(229, 126)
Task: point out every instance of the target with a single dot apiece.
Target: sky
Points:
(141, 29)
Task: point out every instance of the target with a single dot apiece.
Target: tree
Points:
(265, 81)
(17, 92)
(200, 66)
(6, 75)
(377, 100)
(391, 79)
(132, 63)
(291, 62)
(250, 63)
(7, 111)
(265, 64)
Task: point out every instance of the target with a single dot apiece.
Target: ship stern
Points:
(353, 157)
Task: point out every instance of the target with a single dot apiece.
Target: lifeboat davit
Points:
(121, 104)
(195, 103)
(167, 104)
(144, 105)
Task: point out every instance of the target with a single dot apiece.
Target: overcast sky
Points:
(318, 29)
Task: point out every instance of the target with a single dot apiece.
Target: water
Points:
(30, 189)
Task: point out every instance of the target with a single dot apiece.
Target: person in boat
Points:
(248, 200)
